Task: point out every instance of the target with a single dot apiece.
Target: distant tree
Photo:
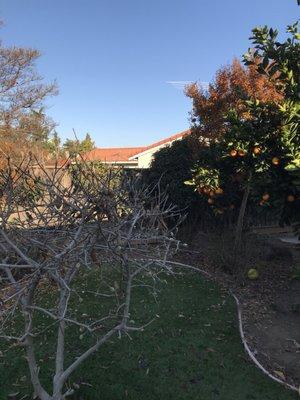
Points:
(75, 146)
(54, 146)
(87, 143)
(28, 136)
(22, 95)
(71, 147)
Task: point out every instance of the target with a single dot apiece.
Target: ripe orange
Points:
(266, 197)
(241, 153)
(275, 161)
(256, 150)
(233, 153)
(291, 198)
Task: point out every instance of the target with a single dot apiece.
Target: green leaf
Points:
(190, 183)
(297, 36)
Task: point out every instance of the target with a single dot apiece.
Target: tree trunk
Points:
(240, 222)
(34, 371)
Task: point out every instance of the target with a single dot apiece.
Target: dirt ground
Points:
(277, 337)
(270, 304)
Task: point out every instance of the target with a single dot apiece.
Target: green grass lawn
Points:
(192, 351)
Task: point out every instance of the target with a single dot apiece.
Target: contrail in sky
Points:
(180, 85)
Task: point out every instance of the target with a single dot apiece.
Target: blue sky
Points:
(112, 59)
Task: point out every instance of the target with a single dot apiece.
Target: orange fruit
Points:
(256, 150)
(266, 197)
(233, 153)
(275, 161)
(291, 198)
(219, 191)
(241, 153)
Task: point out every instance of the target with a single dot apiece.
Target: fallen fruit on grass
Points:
(280, 374)
(266, 197)
(291, 198)
(275, 161)
(252, 273)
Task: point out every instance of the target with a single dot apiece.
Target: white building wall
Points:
(145, 158)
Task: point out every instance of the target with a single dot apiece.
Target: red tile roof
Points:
(113, 154)
(123, 154)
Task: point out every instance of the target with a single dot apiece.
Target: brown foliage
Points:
(232, 84)
(22, 94)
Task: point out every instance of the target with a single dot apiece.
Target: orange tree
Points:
(257, 158)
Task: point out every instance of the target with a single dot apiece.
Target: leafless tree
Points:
(53, 235)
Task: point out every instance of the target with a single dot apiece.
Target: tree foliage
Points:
(171, 166)
(259, 153)
(231, 86)
(23, 124)
(75, 146)
(53, 145)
